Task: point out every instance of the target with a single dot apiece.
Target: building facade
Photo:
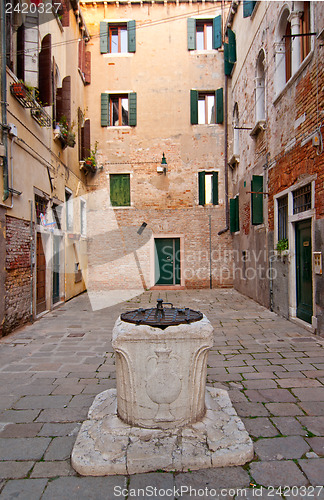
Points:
(156, 105)
(276, 156)
(45, 134)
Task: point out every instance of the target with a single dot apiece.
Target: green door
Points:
(167, 261)
(56, 269)
(304, 271)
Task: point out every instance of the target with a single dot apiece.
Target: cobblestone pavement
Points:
(274, 372)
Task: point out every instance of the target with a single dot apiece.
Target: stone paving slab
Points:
(273, 370)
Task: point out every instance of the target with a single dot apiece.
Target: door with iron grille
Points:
(40, 276)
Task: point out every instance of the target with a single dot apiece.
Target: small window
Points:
(283, 218)
(208, 188)
(305, 28)
(236, 131)
(260, 106)
(40, 208)
(204, 35)
(206, 108)
(302, 199)
(118, 110)
(234, 215)
(118, 38)
(120, 190)
(68, 210)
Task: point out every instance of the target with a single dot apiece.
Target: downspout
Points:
(226, 228)
(4, 100)
(31, 261)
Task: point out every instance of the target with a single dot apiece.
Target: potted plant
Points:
(91, 162)
(18, 89)
(282, 246)
(65, 133)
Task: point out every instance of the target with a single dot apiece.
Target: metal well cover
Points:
(162, 317)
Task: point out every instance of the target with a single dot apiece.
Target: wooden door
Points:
(167, 261)
(304, 271)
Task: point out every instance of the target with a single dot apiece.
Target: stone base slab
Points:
(106, 445)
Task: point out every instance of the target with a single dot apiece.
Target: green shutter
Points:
(234, 215)
(191, 33)
(104, 110)
(219, 106)
(131, 33)
(217, 32)
(132, 109)
(202, 188)
(215, 188)
(257, 199)
(248, 6)
(104, 34)
(231, 46)
(227, 65)
(194, 107)
(120, 190)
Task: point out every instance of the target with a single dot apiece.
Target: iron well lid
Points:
(162, 317)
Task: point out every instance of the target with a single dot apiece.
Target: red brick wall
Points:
(18, 281)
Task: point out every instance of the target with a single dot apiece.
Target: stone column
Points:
(294, 20)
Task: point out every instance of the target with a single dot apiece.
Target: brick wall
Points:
(18, 281)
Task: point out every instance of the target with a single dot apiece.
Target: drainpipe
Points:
(4, 99)
(31, 262)
(226, 228)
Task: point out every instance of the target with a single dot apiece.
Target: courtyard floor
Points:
(50, 372)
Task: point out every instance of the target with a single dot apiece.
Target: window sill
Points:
(118, 54)
(290, 82)
(258, 127)
(204, 52)
(119, 127)
(123, 208)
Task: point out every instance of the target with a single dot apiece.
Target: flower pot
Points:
(19, 90)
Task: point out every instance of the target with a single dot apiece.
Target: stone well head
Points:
(161, 366)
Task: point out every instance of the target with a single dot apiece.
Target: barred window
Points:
(283, 218)
(302, 199)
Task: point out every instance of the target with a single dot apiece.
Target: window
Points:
(257, 199)
(260, 88)
(204, 34)
(302, 199)
(206, 107)
(208, 188)
(234, 215)
(45, 71)
(120, 190)
(305, 28)
(40, 208)
(117, 37)
(118, 110)
(84, 63)
(57, 215)
(236, 131)
(283, 218)
(83, 218)
(68, 210)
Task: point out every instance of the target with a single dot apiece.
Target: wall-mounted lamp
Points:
(163, 168)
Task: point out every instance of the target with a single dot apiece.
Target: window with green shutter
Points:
(231, 46)
(206, 107)
(204, 34)
(234, 215)
(248, 7)
(117, 37)
(219, 106)
(208, 188)
(228, 66)
(120, 190)
(257, 199)
(118, 110)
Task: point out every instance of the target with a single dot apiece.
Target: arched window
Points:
(236, 131)
(260, 87)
